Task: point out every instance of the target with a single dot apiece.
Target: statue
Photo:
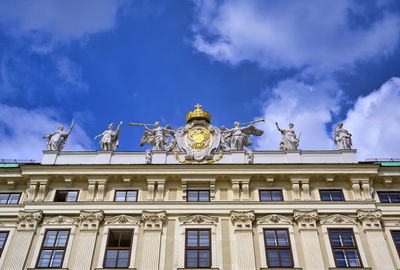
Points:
(238, 137)
(342, 138)
(148, 156)
(110, 139)
(289, 140)
(158, 137)
(58, 139)
(249, 156)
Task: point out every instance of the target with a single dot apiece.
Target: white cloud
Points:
(71, 73)
(374, 122)
(21, 133)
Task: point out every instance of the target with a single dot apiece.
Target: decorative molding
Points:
(274, 219)
(306, 219)
(90, 220)
(242, 220)
(337, 219)
(153, 220)
(199, 219)
(60, 220)
(370, 219)
(122, 219)
(29, 220)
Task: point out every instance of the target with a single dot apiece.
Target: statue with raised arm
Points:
(58, 139)
(110, 138)
(238, 136)
(158, 136)
(289, 140)
(342, 138)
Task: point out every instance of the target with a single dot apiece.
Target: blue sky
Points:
(313, 63)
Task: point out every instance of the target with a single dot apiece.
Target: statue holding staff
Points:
(342, 138)
(158, 137)
(238, 137)
(58, 139)
(110, 138)
(289, 140)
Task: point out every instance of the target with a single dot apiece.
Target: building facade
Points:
(308, 210)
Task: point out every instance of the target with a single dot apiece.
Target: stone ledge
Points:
(115, 268)
(282, 268)
(197, 268)
(352, 268)
(48, 268)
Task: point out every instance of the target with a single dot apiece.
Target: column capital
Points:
(153, 220)
(242, 220)
(90, 220)
(29, 220)
(306, 219)
(370, 219)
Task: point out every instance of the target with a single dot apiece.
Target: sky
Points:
(314, 63)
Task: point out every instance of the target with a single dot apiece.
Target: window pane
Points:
(340, 258)
(14, 198)
(113, 239)
(71, 196)
(204, 196)
(204, 258)
(273, 258)
(111, 258)
(192, 239)
(56, 260)
(61, 196)
(286, 257)
(44, 258)
(276, 195)
(3, 237)
(325, 195)
(282, 238)
(192, 196)
(126, 238)
(396, 236)
(204, 238)
(395, 196)
(335, 238)
(265, 196)
(62, 238)
(348, 240)
(384, 197)
(270, 236)
(337, 195)
(191, 258)
(50, 238)
(123, 258)
(4, 198)
(131, 196)
(352, 257)
(120, 196)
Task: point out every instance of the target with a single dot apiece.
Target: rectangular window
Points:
(53, 249)
(277, 247)
(389, 197)
(3, 240)
(9, 198)
(198, 248)
(66, 196)
(198, 195)
(118, 250)
(396, 239)
(331, 195)
(125, 196)
(271, 195)
(344, 248)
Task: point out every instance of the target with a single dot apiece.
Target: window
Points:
(125, 196)
(396, 239)
(198, 248)
(277, 247)
(271, 195)
(53, 249)
(331, 195)
(389, 197)
(3, 239)
(66, 196)
(344, 248)
(118, 250)
(198, 195)
(9, 198)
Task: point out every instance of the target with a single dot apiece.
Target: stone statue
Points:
(110, 138)
(238, 137)
(148, 156)
(342, 138)
(289, 140)
(58, 139)
(249, 156)
(158, 137)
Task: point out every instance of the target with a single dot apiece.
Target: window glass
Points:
(389, 197)
(66, 196)
(118, 248)
(344, 248)
(53, 249)
(198, 248)
(270, 195)
(3, 239)
(125, 196)
(198, 196)
(277, 247)
(4, 198)
(9, 198)
(331, 195)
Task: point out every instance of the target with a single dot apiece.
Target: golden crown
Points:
(198, 113)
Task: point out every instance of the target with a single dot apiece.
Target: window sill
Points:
(48, 268)
(115, 268)
(282, 268)
(202, 268)
(352, 268)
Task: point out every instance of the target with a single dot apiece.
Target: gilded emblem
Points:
(198, 138)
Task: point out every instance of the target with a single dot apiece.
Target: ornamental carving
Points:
(337, 219)
(90, 220)
(29, 220)
(274, 219)
(370, 219)
(306, 219)
(60, 220)
(242, 220)
(153, 220)
(122, 219)
(199, 219)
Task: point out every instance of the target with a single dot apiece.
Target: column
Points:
(101, 186)
(355, 185)
(366, 189)
(243, 225)
(296, 189)
(31, 191)
(153, 225)
(306, 189)
(150, 190)
(371, 222)
(89, 226)
(91, 190)
(28, 222)
(307, 222)
(235, 188)
(245, 188)
(160, 189)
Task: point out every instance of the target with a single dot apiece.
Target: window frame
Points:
(9, 195)
(209, 248)
(5, 242)
(198, 197)
(270, 190)
(330, 194)
(389, 193)
(394, 241)
(278, 248)
(126, 190)
(132, 230)
(66, 190)
(65, 248)
(344, 247)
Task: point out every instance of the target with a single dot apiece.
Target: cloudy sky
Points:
(314, 63)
